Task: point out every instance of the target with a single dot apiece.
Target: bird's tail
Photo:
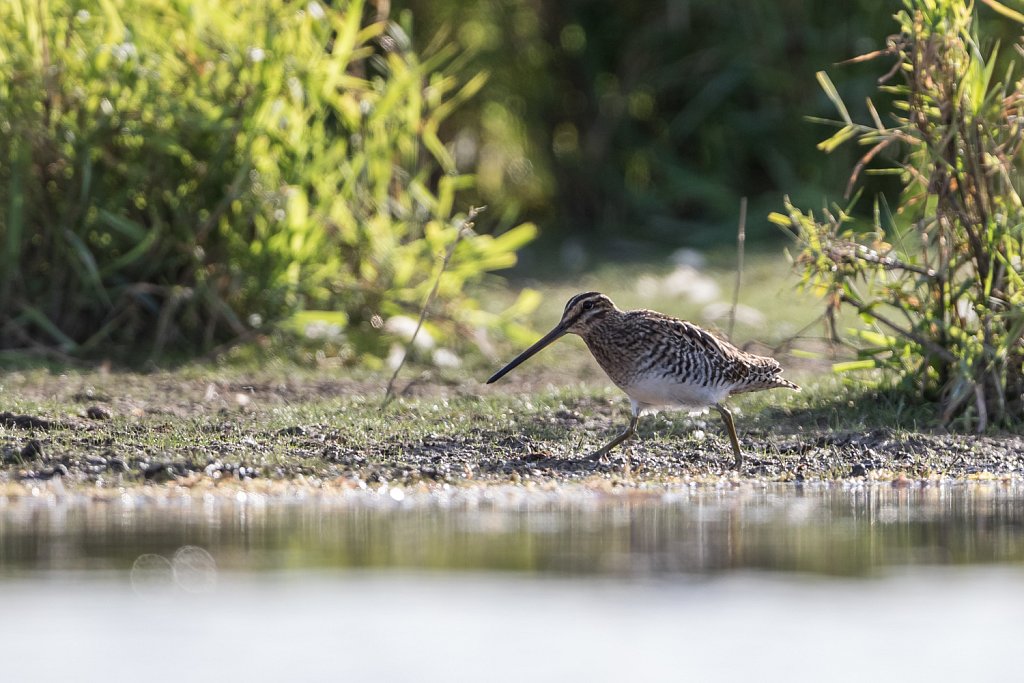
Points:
(765, 373)
(783, 383)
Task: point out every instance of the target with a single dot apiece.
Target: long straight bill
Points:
(541, 343)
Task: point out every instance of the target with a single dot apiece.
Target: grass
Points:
(310, 421)
(166, 427)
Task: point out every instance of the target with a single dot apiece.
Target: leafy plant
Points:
(938, 283)
(177, 173)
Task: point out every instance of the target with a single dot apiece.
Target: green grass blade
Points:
(126, 227)
(852, 365)
(36, 316)
(830, 91)
(15, 222)
(88, 261)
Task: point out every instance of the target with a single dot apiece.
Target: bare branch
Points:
(979, 400)
(932, 347)
(864, 161)
(890, 263)
(467, 224)
(741, 238)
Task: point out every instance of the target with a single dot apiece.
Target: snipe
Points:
(660, 361)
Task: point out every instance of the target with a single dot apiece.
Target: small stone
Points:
(157, 469)
(97, 413)
(32, 450)
(858, 470)
(48, 473)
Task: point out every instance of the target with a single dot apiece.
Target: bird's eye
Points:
(587, 306)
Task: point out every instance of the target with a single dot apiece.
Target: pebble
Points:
(32, 450)
(98, 413)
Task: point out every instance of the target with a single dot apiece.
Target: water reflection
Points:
(840, 530)
(191, 568)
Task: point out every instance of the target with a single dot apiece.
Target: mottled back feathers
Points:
(633, 346)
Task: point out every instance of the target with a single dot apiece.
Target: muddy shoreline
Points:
(113, 431)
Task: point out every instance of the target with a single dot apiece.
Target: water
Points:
(778, 582)
(857, 531)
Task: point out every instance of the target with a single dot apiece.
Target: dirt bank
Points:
(114, 430)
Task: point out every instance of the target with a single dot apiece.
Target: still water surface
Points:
(778, 582)
(846, 530)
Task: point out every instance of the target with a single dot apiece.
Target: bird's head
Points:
(582, 313)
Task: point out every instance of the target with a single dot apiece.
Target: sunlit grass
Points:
(769, 286)
(290, 416)
(284, 426)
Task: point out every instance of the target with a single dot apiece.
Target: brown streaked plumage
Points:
(659, 361)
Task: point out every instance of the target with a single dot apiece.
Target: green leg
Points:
(731, 427)
(628, 432)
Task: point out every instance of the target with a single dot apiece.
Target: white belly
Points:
(652, 392)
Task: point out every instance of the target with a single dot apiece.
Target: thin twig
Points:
(979, 399)
(467, 224)
(741, 238)
(864, 161)
(785, 344)
(939, 351)
(36, 348)
(861, 252)
(865, 57)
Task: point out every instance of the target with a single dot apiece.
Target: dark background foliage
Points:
(647, 122)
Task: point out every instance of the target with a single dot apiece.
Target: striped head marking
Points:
(585, 310)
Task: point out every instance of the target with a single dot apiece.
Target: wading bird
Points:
(660, 361)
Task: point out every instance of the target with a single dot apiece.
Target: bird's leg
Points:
(731, 428)
(628, 432)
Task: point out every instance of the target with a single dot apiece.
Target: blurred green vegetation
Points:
(174, 173)
(617, 122)
(938, 290)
